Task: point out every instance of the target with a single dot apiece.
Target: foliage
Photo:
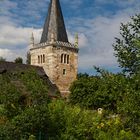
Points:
(2, 59)
(36, 86)
(96, 92)
(60, 120)
(115, 93)
(28, 60)
(18, 60)
(80, 124)
(9, 96)
(127, 49)
(129, 107)
(23, 105)
(31, 121)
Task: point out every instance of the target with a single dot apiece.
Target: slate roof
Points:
(54, 24)
(12, 67)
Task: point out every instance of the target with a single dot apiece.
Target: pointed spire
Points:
(54, 24)
(31, 44)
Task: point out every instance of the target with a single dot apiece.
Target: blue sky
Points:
(96, 21)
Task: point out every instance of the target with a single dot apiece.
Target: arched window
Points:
(62, 55)
(38, 59)
(67, 59)
(43, 58)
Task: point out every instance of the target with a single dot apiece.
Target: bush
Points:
(115, 93)
(80, 124)
(23, 105)
(99, 92)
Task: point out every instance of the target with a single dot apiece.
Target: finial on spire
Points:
(32, 40)
(76, 40)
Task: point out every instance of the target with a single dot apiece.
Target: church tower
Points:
(54, 53)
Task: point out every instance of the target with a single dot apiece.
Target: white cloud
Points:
(99, 34)
(5, 52)
(14, 36)
(14, 41)
(96, 35)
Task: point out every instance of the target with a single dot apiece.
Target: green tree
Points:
(18, 60)
(23, 105)
(28, 61)
(127, 48)
(115, 93)
(2, 59)
(76, 123)
(129, 105)
(102, 91)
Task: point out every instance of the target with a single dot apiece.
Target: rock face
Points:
(54, 53)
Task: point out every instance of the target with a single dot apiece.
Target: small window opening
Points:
(38, 59)
(64, 71)
(43, 58)
(62, 58)
(67, 59)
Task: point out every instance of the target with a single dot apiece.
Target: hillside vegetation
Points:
(116, 94)
(27, 113)
(22, 98)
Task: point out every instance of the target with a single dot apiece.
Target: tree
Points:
(28, 61)
(127, 48)
(23, 105)
(103, 91)
(115, 93)
(18, 60)
(2, 59)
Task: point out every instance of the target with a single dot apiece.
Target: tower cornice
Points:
(56, 44)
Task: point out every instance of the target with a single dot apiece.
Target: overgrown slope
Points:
(22, 96)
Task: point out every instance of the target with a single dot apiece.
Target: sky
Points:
(96, 21)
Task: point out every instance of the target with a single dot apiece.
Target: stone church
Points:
(57, 56)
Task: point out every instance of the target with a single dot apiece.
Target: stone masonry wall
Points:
(60, 73)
